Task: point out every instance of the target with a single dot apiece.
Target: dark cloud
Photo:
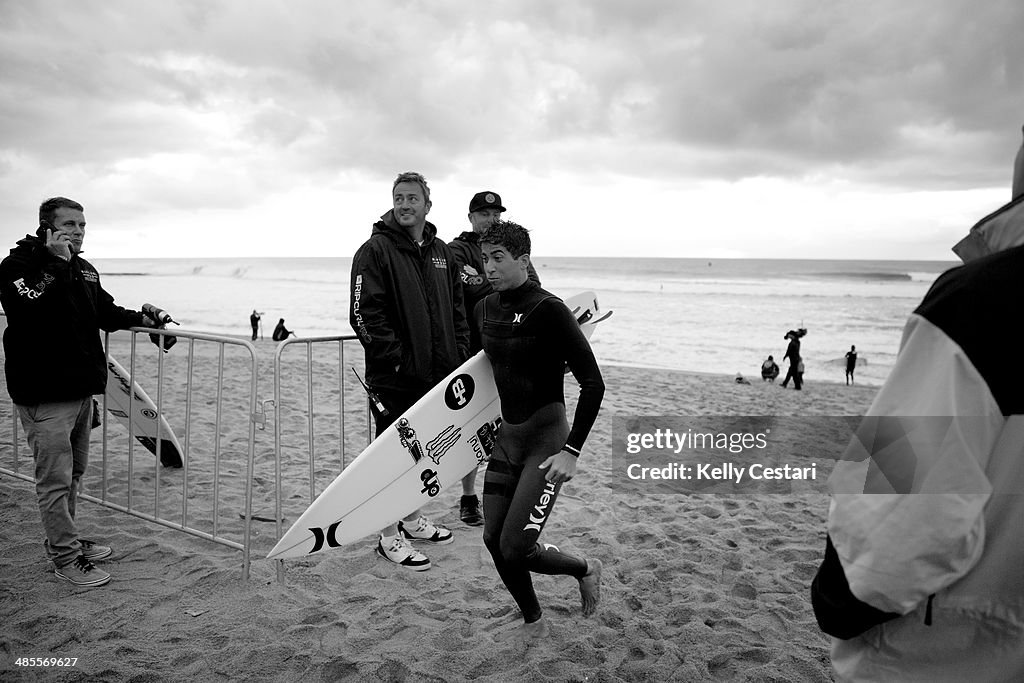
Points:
(252, 98)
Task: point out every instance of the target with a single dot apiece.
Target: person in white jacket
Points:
(924, 572)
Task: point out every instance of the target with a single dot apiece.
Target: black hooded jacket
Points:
(55, 309)
(406, 306)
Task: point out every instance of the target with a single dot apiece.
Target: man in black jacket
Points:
(406, 307)
(55, 362)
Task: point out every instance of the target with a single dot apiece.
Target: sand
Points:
(696, 587)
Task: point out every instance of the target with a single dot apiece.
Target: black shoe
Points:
(469, 511)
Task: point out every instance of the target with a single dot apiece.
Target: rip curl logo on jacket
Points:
(90, 276)
(357, 293)
(33, 292)
(440, 262)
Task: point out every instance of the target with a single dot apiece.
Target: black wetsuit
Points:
(529, 336)
(794, 372)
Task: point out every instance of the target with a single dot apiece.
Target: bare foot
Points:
(590, 587)
(527, 633)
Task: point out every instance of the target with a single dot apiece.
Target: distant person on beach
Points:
(254, 320)
(796, 362)
(281, 332)
(851, 363)
(485, 209)
(530, 337)
(924, 583)
(55, 363)
(769, 370)
(406, 307)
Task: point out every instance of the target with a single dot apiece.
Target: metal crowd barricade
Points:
(309, 343)
(253, 414)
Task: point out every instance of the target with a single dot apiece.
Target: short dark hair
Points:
(48, 209)
(514, 238)
(412, 177)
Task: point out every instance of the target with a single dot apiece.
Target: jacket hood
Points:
(30, 243)
(27, 243)
(388, 226)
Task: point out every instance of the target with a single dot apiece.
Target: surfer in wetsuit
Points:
(530, 336)
(485, 209)
(851, 363)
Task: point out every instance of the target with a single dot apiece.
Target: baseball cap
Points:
(485, 200)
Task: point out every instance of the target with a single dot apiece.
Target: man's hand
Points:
(561, 467)
(58, 244)
(158, 318)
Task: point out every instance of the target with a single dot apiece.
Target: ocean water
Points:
(720, 316)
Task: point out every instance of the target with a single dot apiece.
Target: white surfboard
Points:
(861, 360)
(430, 447)
(147, 426)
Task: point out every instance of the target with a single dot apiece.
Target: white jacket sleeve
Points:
(906, 513)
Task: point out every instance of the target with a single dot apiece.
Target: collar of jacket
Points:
(32, 243)
(387, 225)
(994, 233)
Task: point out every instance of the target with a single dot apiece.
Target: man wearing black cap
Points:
(485, 210)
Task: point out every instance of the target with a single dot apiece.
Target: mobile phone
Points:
(44, 225)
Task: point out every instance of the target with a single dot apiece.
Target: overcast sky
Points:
(817, 129)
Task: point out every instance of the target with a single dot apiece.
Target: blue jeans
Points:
(58, 434)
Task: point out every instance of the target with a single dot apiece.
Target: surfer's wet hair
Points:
(412, 177)
(514, 238)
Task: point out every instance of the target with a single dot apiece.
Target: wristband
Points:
(571, 451)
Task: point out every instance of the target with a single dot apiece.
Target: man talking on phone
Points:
(55, 363)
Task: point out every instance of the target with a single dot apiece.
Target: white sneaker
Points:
(424, 530)
(399, 552)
